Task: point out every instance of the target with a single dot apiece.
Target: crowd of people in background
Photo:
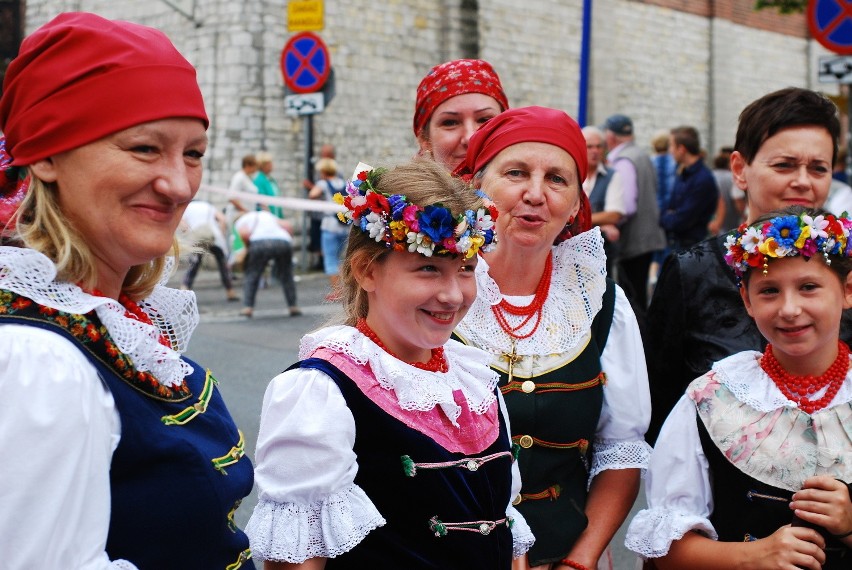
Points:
(497, 381)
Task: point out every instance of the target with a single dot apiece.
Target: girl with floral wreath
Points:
(750, 467)
(387, 445)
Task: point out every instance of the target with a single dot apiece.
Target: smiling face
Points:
(536, 190)
(125, 193)
(791, 167)
(452, 123)
(415, 302)
(797, 306)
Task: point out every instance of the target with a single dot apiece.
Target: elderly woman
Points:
(562, 337)
(120, 451)
(454, 100)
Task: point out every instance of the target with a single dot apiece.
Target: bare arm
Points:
(315, 192)
(610, 498)
(787, 548)
(604, 218)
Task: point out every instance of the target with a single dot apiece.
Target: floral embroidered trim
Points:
(244, 556)
(95, 338)
(188, 414)
(787, 236)
(232, 457)
(482, 527)
(406, 226)
(544, 387)
(469, 463)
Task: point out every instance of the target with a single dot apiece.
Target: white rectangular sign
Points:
(835, 69)
(304, 103)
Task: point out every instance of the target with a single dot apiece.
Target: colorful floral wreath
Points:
(787, 236)
(405, 226)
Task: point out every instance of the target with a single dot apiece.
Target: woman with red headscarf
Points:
(562, 337)
(119, 452)
(453, 101)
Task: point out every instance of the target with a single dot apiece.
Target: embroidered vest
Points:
(178, 473)
(422, 504)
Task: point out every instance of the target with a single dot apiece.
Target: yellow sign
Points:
(305, 15)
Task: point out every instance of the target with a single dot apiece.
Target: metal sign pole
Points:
(309, 175)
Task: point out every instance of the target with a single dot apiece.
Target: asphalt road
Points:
(244, 354)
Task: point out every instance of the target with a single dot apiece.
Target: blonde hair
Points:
(660, 140)
(327, 166)
(423, 182)
(40, 225)
(263, 158)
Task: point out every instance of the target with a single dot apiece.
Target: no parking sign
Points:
(305, 63)
(830, 23)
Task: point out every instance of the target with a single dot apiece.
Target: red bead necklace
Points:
(437, 363)
(534, 309)
(800, 388)
(135, 312)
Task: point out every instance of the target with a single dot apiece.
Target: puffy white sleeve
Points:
(626, 412)
(58, 430)
(522, 536)
(677, 487)
(308, 504)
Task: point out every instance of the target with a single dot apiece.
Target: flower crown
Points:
(405, 226)
(787, 236)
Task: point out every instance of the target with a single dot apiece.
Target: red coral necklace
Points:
(437, 363)
(134, 311)
(799, 389)
(534, 309)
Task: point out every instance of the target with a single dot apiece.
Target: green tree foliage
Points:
(783, 6)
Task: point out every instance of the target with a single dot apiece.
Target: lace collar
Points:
(174, 313)
(576, 296)
(415, 389)
(766, 436)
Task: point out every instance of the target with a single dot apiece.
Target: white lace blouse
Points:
(576, 296)
(58, 419)
(309, 505)
(763, 434)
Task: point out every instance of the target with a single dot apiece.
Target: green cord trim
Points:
(231, 524)
(236, 453)
(516, 449)
(188, 414)
(408, 466)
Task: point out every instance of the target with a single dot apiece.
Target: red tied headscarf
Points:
(453, 78)
(81, 77)
(532, 124)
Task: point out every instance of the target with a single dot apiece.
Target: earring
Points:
(570, 221)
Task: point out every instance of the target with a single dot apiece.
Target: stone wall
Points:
(663, 62)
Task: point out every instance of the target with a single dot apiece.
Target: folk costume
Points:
(746, 435)
(122, 439)
(371, 462)
(575, 388)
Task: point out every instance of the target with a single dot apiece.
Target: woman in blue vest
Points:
(562, 337)
(119, 452)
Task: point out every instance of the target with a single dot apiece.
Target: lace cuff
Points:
(652, 531)
(522, 536)
(619, 455)
(122, 565)
(291, 532)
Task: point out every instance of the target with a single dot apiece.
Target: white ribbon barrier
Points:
(301, 204)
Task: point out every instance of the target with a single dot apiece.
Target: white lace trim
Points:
(742, 375)
(522, 535)
(415, 389)
(174, 313)
(619, 455)
(576, 295)
(652, 531)
(122, 565)
(290, 532)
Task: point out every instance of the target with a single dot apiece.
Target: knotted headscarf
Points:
(532, 124)
(81, 77)
(453, 78)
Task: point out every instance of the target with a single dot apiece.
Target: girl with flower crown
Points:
(388, 446)
(750, 467)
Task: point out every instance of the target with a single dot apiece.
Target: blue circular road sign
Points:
(305, 63)
(830, 22)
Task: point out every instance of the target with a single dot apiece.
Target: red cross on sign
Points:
(305, 63)
(830, 23)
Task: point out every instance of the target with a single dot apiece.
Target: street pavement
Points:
(244, 354)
